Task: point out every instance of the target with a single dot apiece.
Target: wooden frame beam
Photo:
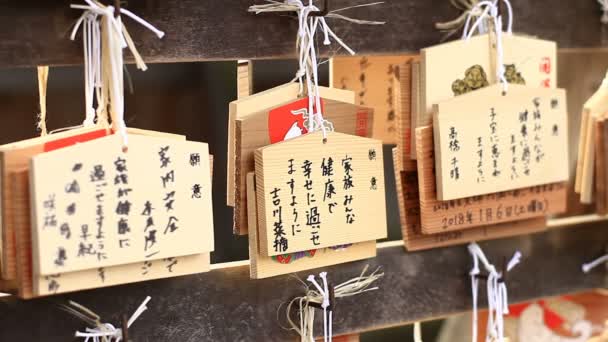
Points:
(35, 32)
(224, 305)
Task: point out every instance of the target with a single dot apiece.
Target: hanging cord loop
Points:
(43, 78)
(323, 296)
(604, 5)
(103, 332)
(498, 302)
(309, 22)
(595, 263)
(104, 58)
(490, 8)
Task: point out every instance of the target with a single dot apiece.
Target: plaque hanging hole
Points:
(324, 140)
(125, 149)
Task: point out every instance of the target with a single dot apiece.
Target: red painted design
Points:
(73, 140)
(287, 122)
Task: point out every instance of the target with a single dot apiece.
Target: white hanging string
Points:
(43, 78)
(103, 332)
(116, 39)
(308, 62)
(417, 332)
(604, 5)
(491, 8)
(320, 295)
(498, 303)
(469, 9)
(595, 263)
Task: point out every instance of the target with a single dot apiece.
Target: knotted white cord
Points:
(43, 78)
(604, 5)
(117, 38)
(107, 332)
(491, 8)
(595, 263)
(320, 295)
(307, 54)
(498, 302)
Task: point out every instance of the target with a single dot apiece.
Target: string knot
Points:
(106, 331)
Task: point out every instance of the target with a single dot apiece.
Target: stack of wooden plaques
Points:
(78, 212)
(434, 218)
(591, 173)
(264, 121)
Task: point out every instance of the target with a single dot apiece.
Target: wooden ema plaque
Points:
(313, 194)
(285, 121)
(16, 156)
(256, 108)
(409, 213)
(513, 205)
(372, 78)
(488, 142)
(31, 286)
(97, 206)
(459, 67)
(263, 266)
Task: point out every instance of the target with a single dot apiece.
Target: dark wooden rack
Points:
(35, 32)
(225, 305)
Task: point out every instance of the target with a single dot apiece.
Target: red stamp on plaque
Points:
(545, 65)
(546, 83)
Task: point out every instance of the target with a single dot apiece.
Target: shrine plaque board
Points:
(462, 66)
(409, 213)
(313, 194)
(16, 156)
(489, 142)
(287, 121)
(94, 205)
(263, 266)
(31, 286)
(258, 107)
(372, 78)
(508, 206)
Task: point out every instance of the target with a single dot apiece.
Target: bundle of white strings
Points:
(604, 4)
(307, 51)
(95, 16)
(469, 9)
(491, 8)
(103, 332)
(595, 263)
(320, 295)
(498, 303)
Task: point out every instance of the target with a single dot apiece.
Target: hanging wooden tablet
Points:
(462, 66)
(313, 194)
(440, 216)
(600, 168)
(487, 141)
(372, 79)
(264, 266)
(16, 156)
(30, 286)
(404, 103)
(244, 80)
(287, 120)
(416, 106)
(409, 213)
(594, 110)
(97, 206)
